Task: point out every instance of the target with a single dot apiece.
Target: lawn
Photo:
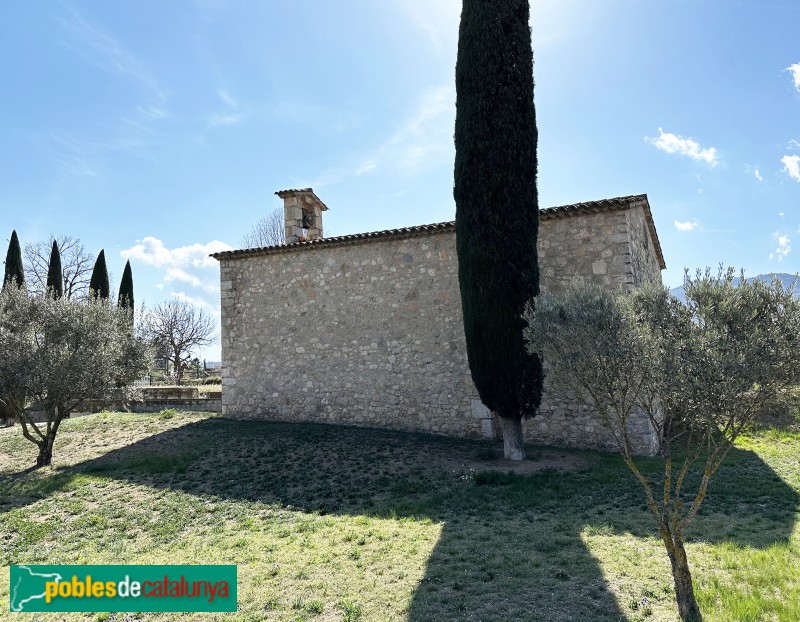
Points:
(334, 523)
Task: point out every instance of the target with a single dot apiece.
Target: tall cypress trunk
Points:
(497, 214)
(688, 608)
(513, 440)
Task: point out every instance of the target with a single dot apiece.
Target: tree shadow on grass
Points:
(748, 505)
(511, 547)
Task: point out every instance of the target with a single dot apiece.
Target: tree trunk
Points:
(6, 416)
(513, 443)
(45, 456)
(684, 591)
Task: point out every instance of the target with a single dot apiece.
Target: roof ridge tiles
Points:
(547, 213)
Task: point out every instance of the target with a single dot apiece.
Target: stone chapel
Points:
(366, 329)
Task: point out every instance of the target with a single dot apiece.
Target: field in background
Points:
(334, 523)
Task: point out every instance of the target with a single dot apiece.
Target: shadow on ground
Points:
(503, 534)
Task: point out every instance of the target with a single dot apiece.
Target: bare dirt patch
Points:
(538, 460)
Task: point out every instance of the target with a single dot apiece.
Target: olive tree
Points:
(700, 370)
(57, 353)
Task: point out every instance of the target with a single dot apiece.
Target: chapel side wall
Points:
(372, 333)
(590, 248)
(364, 334)
(644, 262)
(586, 248)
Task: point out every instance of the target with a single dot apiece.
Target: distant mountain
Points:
(786, 279)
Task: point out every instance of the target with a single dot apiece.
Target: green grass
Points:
(333, 523)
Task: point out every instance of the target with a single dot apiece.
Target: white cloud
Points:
(795, 70)
(366, 167)
(781, 215)
(686, 226)
(757, 173)
(178, 274)
(784, 246)
(185, 264)
(673, 143)
(222, 120)
(86, 155)
(82, 156)
(153, 113)
(791, 164)
(100, 48)
(439, 20)
(227, 98)
(152, 251)
(196, 301)
(232, 116)
(425, 139)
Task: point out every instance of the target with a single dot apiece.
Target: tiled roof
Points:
(563, 211)
(292, 191)
(593, 207)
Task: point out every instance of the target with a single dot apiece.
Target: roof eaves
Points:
(562, 211)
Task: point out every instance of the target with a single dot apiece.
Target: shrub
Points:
(701, 371)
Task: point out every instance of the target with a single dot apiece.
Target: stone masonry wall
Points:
(612, 249)
(366, 334)
(644, 264)
(371, 333)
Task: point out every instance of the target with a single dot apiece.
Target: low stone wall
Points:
(152, 406)
(565, 422)
(199, 404)
(169, 393)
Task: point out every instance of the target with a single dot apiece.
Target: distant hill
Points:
(786, 279)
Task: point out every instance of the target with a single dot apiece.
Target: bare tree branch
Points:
(76, 265)
(177, 328)
(269, 231)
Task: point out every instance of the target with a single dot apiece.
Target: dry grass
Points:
(332, 523)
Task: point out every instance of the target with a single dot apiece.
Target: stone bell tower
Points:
(302, 215)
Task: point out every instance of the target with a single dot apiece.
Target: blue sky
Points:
(160, 131)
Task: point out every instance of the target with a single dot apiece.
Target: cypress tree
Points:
(497, 212)
(126, 288)
(13, 269)
(15, 274)
(98, 284)
(55, 279)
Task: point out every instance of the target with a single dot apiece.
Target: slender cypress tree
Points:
(497, 213)
(55, 279)
(13, 270)
(15, 274)
(98, 284)
(126, 288)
